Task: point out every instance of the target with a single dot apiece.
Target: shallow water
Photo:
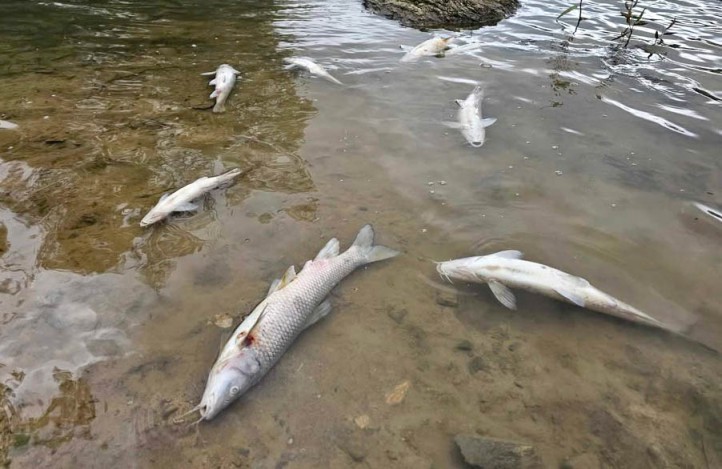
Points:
(107, 330)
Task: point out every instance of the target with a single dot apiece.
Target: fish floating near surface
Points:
(436, 46)
(716, 214)
(304, 63)
(225, 78)
(505, 269)
(470, 122)
(180, 200)
(293, 303)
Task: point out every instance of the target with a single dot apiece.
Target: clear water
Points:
(107, 330)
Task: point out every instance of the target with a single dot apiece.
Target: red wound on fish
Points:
(250, 339)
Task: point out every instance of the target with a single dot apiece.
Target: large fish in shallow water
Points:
(293, 303)
(304, 63)
(225, 78)
(180, 200)
(505, 269)
(470, 122)
(715, 214)
(431, 47)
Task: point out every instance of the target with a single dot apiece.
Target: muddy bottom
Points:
(108, 330)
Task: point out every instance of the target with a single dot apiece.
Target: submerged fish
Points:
(310, 66)
(716, 214)
(7, 125)
(180, 200)
(506, 269)
(434, 46)
(470, 122)
(293, 303)
(225, 78)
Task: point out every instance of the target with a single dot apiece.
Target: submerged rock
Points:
(444, 13)
(479, 451)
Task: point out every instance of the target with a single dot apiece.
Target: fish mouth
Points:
(476, 144)
(442, 272)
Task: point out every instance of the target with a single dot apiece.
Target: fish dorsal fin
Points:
(164, 196)
(206, 74)
(510, 254)
(460, 102)
(503, 294)
(282, 282)
(330, 250)
(571, 296)
(274, 286)
(287, 278)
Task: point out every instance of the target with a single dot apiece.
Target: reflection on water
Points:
(596, 154)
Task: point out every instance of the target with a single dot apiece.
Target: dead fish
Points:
(304, 63)
(470, 122)
(716, 214)
(292, 304)
(225, 78)
(7, 125)
(180, 200)
(431, 47)
(505, 269)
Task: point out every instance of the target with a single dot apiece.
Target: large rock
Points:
(490, 453)
(444, 13)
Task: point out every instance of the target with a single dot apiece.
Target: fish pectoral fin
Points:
(250, 322)
(510, 254)
(186, 207)
(573, 297)
(405, 48)
(212, 82)
(319, 313)
(488, 121)
(330, 250)
(460, 102)
(453, 125)
(503, 294)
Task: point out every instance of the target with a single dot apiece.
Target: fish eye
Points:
(235, 390)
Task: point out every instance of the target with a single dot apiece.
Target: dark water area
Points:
(108, 330)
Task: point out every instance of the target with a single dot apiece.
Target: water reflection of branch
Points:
(73, 409)
(272, 145)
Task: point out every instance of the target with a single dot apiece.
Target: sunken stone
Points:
(448, 299)
(489, 453)
(452, 14)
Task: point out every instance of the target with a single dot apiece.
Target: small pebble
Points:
(558, 173)
(555, 147)
(443, 183)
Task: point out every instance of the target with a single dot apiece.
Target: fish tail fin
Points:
(364, 243)
(219, 107)
(228, 177)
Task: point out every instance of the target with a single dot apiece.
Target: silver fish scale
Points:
(289, 309)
